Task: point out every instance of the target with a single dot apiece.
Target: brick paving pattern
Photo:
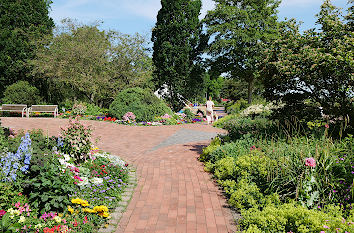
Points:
(173, 193)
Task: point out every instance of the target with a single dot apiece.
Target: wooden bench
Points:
(22, 108)
(43, 108)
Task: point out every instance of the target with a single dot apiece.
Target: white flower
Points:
(22, 219)
(84, 181)
(96, 180)
(57, 219)
(66, 157)
(38, 226)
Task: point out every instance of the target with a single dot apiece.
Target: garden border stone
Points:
(112, 224)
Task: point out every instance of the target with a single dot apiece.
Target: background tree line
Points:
(242, 40)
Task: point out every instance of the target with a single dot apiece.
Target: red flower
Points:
(20, 194)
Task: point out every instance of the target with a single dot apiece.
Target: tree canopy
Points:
(92, 63)
(176, 37)
(20, 23)
(240, 31)
(314, 69)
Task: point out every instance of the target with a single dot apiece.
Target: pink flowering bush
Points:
(129, 116)
(166, 116)
(77, 140)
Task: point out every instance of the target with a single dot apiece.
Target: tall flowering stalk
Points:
(76, 140)
(20, 160)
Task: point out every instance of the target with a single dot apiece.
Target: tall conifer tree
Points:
(176, 37)
(20, 21)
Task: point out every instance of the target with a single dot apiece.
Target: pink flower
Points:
(310, 162)
(2, 213)
(327, 126)
(325, 226)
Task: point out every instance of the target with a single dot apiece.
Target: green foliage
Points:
(9, 194)
(293, 218)
(257, 127)
(237, 107)
(91, 65)
(189, 114)
(242, 29)
(3, 140)
(143, 103)
(50, 189)
(77, 140)
(21, 93)
(314, 69)
(176, 57)
(21, 22)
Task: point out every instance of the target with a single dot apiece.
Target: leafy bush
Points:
(21, 93)
(223, 121)
(79, 109)
(237, 107)
(143, 103)
(76, 140)
(257, 127)
(293, 218)
(50, 189)
(94, 110)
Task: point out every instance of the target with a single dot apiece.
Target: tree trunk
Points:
(250, 89)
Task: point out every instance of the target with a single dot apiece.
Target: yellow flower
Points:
(60, 215)
(104, 214)
(100, 208)
(84, 203)
(76, 201)
(88, 210)
(71, 210)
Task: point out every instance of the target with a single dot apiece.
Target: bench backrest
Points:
(13, 107)
(44, 108)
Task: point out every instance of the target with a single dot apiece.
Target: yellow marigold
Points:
(100, 208)
(104, 214)
(71, 210)
(88, 210)
(84, 203)
(76, 201)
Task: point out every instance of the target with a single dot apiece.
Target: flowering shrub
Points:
(77, 140)
(79, 109)
(129, 116)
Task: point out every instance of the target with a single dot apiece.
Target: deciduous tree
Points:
(20, 23)
(240, 31)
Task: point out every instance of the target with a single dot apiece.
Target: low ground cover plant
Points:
(57, 184)
(284, 180)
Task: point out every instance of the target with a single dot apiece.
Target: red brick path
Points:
(173, 194)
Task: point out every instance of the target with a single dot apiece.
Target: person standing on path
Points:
(209, 110)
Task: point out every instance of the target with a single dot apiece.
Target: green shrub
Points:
(237, 148)
(293, 218)
(143, 103)
(49, 190)
(257, 127)
(237, 107)
(223, 121)
(76, 140)
(215, 143)
(94, 110)
(21, 93)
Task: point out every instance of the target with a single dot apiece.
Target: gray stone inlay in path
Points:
(185, 136)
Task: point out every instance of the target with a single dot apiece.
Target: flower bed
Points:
(284, 184)
(58, 184)
(129, 119)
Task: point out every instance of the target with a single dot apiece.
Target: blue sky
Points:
(131, 16)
